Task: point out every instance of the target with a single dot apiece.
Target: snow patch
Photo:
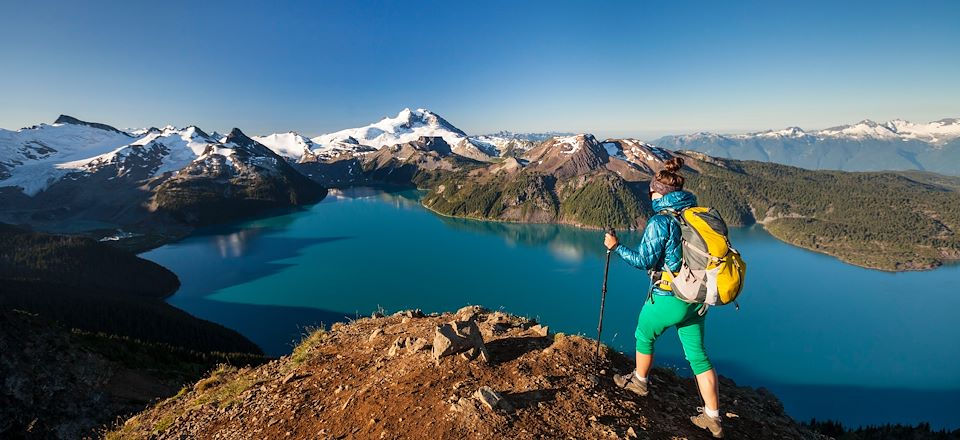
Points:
(574, 142)
(613, 150)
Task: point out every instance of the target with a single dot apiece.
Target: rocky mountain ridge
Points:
(469, 374)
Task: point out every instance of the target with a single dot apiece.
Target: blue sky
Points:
(641, 68)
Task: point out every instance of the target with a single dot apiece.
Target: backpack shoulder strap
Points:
(676, 215)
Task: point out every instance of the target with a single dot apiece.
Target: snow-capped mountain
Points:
(407, 126)
(235, 176)
(40, 156)
(644, 156)
(582, 154)
(36, 156)
(936, 132)
(76, 172)
(567, 155)
(507, 143)
(299, 149)
(158, 151)
(235, 154)
(789, 132)
(864, 146)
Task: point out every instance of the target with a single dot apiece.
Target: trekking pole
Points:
(603, 294)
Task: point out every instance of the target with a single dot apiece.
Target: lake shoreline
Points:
(151, 241)
(760, 224)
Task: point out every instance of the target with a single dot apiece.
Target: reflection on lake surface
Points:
(830, 339)
(234, 245)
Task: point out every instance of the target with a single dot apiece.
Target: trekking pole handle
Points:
(612, 232)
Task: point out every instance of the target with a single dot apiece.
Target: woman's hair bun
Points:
(674, 164)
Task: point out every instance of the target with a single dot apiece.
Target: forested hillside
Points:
(88, 285)
(890, 221)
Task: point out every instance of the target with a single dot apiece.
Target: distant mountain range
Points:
(864, 146)
(409, 125)
(37, 157)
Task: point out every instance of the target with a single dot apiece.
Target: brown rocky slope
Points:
(400, 377)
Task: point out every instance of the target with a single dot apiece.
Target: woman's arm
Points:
(652, 245)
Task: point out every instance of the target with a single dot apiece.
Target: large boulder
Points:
(459, 337)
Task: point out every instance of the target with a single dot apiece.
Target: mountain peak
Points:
(410, 119)
(238, 137)
(406, 114)
(569, 155)
(66, 119)
(576, 141)
(198, 131)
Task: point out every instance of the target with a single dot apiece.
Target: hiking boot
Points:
(630, 382)
(704, 421)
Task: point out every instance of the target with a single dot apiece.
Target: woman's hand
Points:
(610, 241)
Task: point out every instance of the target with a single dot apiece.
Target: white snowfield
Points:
(183, 145)
(288, 145)
(68, 148)
(40, 155)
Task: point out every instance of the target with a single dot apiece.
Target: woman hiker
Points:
(660, 251)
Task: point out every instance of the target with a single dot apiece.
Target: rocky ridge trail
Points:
(469, 374)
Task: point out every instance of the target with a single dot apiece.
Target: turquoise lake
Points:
(831, 340)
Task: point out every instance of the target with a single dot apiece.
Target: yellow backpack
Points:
(712, 271)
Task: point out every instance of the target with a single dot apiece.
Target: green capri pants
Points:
(668, 311)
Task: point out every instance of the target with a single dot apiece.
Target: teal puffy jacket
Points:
(660, 246)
